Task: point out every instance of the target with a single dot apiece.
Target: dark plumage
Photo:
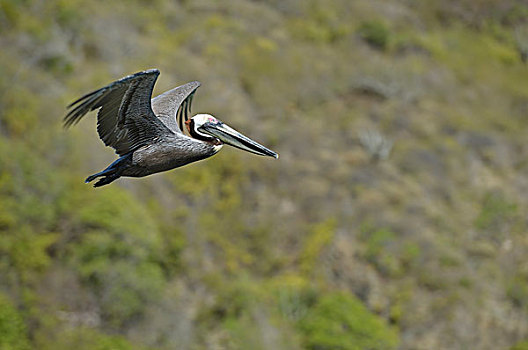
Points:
(152, 136)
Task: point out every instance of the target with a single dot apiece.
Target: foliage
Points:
(13, 333)
(523, 345)
(87, 339)
(340, 321)
(320, 237)
(418, 223)
(517, 291)
(498, 216)
(119, 255)
(391, 255)
(375, 33)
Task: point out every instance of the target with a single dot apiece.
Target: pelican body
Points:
(154, 135)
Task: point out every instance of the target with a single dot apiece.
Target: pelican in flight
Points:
(154, 135)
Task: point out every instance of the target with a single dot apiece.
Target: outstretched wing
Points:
(126, 120)
(173, 107)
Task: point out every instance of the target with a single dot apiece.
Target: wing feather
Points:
(125, 120)
(169, 106)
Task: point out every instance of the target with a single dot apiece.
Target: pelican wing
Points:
(173, 107)
(126, 120)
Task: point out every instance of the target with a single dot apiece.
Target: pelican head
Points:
(207, 128)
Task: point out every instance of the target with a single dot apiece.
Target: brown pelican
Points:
(152, 136)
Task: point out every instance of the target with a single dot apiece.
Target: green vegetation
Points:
(394, 218)
(375, 33)
(87, 339)
(520, 346)
(342, 322)
(13, 333)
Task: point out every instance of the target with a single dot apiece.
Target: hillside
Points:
(395, 217)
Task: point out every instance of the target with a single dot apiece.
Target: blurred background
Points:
(395, 218)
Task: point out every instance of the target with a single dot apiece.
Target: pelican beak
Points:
(232, 137)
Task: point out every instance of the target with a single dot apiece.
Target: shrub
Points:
(375, 33)
(520, 346)
(340, 321)
(12, 328)
(498, 217)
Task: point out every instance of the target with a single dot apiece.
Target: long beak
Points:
(232, 137)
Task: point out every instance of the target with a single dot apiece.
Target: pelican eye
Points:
(194, 131)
